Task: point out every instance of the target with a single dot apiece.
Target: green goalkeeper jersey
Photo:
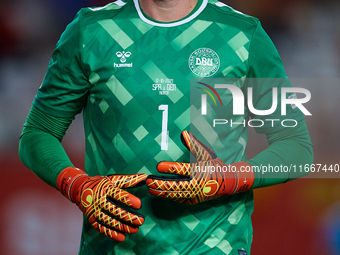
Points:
(140, 83)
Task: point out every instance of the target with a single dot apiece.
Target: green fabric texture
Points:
(288, 147)
(137, 83)
(40, 149)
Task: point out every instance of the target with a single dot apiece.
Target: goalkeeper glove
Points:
(206, 179)
(100, 199)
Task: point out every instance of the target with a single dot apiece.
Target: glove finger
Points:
(184, 197)
(127, 224)
(112, 209)
(180, 197)
(124, 197)
(128, 181)
(196, 147)
(174, 168)
(171, 186)
(115, 235)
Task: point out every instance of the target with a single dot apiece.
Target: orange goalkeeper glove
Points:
(100, 198)
(206, 179)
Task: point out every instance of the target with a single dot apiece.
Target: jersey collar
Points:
(190, 17)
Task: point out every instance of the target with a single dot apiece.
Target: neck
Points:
(167, 10)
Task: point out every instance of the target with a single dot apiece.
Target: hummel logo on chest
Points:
(123, 55)
(123, 58)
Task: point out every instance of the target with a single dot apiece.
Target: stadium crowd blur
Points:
(306, 33)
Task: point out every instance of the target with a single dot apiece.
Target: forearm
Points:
(40, 149)
(291, 146)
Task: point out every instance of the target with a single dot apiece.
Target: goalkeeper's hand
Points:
(206, 179)
(101, 199)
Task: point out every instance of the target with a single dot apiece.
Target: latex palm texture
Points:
(207, 178)
(104, 202)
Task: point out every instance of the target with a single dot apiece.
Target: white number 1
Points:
(165, 132)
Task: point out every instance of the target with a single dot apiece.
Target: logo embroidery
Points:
(241, 252)
(210, 188)
(204, 62)
(123, 57)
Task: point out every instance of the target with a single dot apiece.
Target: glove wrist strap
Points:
(66, 180)
(245, 176)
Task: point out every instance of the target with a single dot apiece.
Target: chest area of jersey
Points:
(149, 82)
(155, 66)
(197, 49)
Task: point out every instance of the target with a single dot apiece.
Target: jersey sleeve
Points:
(288, 148)
(265, 75)
(40, 147)
(64, 89)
